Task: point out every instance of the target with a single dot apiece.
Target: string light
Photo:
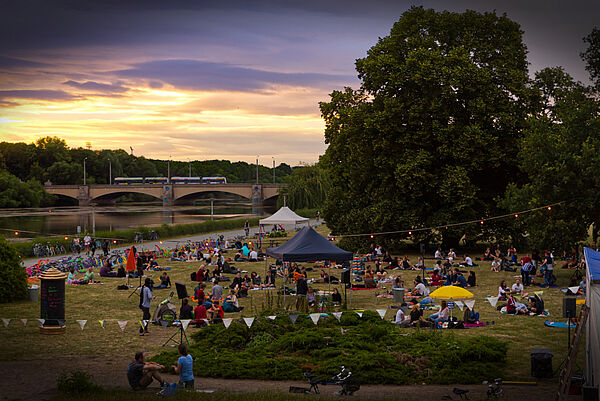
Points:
(516, 215)
(481, 222)
(16, 233)
(371, 235)
(549, 207)
(410, 233)
(66, 238)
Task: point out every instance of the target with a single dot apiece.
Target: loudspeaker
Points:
(181, 290)
(541, 362)
(346, 276)
(569, 307)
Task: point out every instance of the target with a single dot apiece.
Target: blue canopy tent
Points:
(592, 335)
(308, 245)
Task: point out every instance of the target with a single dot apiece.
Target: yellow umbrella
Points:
(451, 292)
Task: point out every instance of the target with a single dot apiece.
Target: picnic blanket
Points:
(559, 324)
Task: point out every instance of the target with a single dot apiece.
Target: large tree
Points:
(429, 137)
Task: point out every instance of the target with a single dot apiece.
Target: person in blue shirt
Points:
(185, 367)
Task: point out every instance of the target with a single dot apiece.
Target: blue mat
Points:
(563, 325)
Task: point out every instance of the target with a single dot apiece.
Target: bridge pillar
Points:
(167, 196)
(257, 199)
(83, 195)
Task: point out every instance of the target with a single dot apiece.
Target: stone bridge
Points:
(169, 194)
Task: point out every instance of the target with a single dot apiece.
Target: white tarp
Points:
(592, 335)
(284, 216)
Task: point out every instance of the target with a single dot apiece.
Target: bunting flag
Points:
(574, 289)
(381, 312)
(249, 321)
(102, 324)
(493, 301)
(359, 314)
(81, 323)
(338, 316)
(315, 317)
(122, 324)
(293, 318)
(227, 322)
(41, 322)
(164, 323)
(470, 303)
(6, 322)
(271, 317)
(460, 304)
(62, 322)
(24, 322)
(539, 293)
(185, 323)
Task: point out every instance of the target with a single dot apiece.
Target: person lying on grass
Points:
(184, 367)
(140, 373)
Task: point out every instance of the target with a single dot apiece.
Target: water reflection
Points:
(65, 220)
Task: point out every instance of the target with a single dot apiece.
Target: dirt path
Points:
(36, 380)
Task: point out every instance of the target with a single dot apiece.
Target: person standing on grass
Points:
(141, 373)
(247, 228)
(185, 367)
(145, 299)
(549, 269)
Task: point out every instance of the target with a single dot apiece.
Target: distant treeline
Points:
(25, 167)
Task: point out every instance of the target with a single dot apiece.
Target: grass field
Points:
(104, 301)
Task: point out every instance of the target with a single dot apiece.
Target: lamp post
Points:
(189, 168)
(169, 170)
(84, 179)
(257, 169)
(109, 172)
(93, 219)
(273, 170)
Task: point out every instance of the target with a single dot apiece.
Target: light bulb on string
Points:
(516, 215)
(410, 233)
(481, 222)
(549, 207)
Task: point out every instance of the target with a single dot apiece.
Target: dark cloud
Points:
(201, 75)
(97, 87)
(39, 94)
(12, 63)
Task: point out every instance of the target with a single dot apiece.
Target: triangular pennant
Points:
(102, 323)
(574, 289)
(164, 323)
(185, 323)
(493, 301)
(293, 318)
(206, 321)
(62, 322)
(24, 322)
(81, 323)
(227, 322)
(271, 317)
(359, 314)
(6, 322)
(460, 304)
(470, 303)
(315, 317)
(381, 312)
(539, 293)
(338, 316)
(249, 321)
(41, 322)
(122, 324)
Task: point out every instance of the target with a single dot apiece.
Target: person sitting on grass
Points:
(237, 283)
(536, 305)
(184, 367)
(398, 282)
(199, 292)
(406, 263)
(141, 373)
(513, 307)
(495, 264)
(419, 289)
(106, 270)
(88, 278)
(401, 319)
(518, 289)
(311, 299)
(460, 280)
(165, 281)
(442, 315)
(71, 277)
(503, 291)
(472, 279)
(200, 315)
(215, 313)
(231, 303)
(416, 317)
(436, 278)
(336, 297)
(256, 281)
(186, 311)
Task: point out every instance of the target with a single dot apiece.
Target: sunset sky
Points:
(219, 79)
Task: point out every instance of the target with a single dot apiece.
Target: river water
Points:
(68, 220)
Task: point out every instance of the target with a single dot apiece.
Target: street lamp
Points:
(93, 219)
(257, 169)
(273, 169)
(84, 180)
(109, 172)
(189, 168)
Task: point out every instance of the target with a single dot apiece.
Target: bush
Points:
(13, 278)
(76, 382)
(370, 347)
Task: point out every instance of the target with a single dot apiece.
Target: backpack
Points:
(193, 276)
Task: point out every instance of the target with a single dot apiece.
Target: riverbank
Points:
(172, 242)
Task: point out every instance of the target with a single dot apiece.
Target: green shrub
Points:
(77, 382)
(372, 348)
(13, 279)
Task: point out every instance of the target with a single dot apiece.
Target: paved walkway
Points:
(169, 243)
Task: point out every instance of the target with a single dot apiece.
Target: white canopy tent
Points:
(284, 216)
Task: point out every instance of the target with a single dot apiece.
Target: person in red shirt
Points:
(200, 274)
(199, 293)
(215, 313)
(200, 315)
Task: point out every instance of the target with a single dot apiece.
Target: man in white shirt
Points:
(517, 288)
(420, 288)
(87, 240)
(401, 318)
(253, 257)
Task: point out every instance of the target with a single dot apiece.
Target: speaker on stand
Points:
(181, 294)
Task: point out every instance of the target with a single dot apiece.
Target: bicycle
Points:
(495, 389)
